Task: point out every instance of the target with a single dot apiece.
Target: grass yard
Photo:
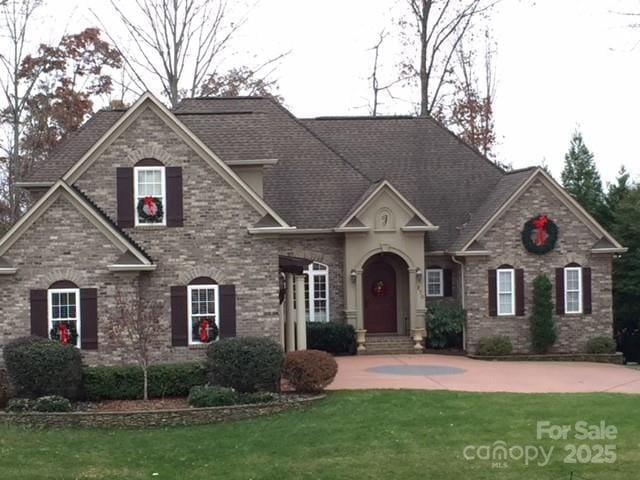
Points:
(361, 435)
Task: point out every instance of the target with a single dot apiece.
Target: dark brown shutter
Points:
(89, 318)
(586, 290)
(447, 279)
(39, 318)
(174, 196)
(124, 176)
(493, 294)
(227, 311)
(520, 310)
(560, 291)
(179, 321)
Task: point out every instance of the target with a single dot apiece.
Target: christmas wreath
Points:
(378, 288)
(65, 333)
(150, 210)
(205, 330)
(540, 235)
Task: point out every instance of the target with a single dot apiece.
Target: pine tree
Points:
(580, 177)
(543, 328)
(616, 193)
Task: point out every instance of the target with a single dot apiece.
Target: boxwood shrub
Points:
(39, 367)
(208, 396)
(126, 382)
(246, 364)
(599, 345)
(309, 371)
(331, 337)
(495, 346)
(52, 403)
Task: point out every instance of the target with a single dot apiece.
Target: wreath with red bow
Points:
(378, 288)
(150, 210)
(65, 333)
(205, 330)
(540, 235)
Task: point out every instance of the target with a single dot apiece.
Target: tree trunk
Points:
(145, 374)
(424, 78)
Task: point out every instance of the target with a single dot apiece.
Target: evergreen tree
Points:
(616, 193)
(580, 177)
(543, 328)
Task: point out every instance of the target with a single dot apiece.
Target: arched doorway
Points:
(385, 294)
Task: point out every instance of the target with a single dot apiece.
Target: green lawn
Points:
(359, 435)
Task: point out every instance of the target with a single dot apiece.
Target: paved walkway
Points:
(445, 372)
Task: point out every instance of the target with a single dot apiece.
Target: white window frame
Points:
(216, 315)
(440, 272)
(512, 311)
(163, 180)
(50, 318)
(310, 278)
(567, 291)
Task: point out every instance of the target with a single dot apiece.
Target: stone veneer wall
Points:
(574, 245)
(213, 242)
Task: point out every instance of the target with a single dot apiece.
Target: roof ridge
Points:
(228, 97)
(520, 170)
(362, 117)
(111, 222)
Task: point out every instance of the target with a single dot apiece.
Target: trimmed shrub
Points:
(601, 345)
(18, 405)
(543, 327)
(246, 364)
(331, 337)
(258, 397)
(208, 396)
(495, 346)
(126, 382)
(6, 391)
(444, 323)
(52, 403)
(39, 367)
(309, 371)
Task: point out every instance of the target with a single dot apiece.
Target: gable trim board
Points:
(362, 204)
(147, 100)
(563, 196)
(60, 188)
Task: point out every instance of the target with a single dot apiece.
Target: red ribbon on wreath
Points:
(204, 331)
(63, 333)
(378, 288)
(150, 206)
(540, 224)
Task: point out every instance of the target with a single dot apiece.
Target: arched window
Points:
(316, 291)
(63, 301)
(202, 310)
(149, 194)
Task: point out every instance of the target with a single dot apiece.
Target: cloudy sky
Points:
(561, 65)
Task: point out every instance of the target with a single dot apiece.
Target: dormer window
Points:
(149, 195)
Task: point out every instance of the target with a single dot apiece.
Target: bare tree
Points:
(135, 327)
(436, 28)
(17, 16)
(175, 41)
(376, 87)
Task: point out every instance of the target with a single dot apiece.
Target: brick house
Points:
(244, 220)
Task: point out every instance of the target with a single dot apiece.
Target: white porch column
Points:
(283, 321)
(290, 326)
(417, 324)
(301, 330)
(360, 331)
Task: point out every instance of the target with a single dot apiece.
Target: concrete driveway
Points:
(446, 372)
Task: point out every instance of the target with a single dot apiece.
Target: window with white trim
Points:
(149, 195)
(64, 315)
(203, 313)
(505, 279)
(573, 290)
(435, 282)
(316, 298)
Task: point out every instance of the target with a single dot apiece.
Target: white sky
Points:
(561, 64)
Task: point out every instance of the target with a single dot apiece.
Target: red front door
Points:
(379, 283)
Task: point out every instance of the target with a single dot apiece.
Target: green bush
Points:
(601, 345)
(444, 323)
(39, 367)
(52, 403)
(208, 396)
(543, 327)
(258, 397)
(495, 346)
(331, 337)
(6, 391)
(126, 382)
(309, 371)
(246, 364)
(18, 405)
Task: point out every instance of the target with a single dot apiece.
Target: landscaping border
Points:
(615, 358)
(152, 418)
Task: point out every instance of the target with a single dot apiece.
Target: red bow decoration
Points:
(63, 333)
(204, 331)
(540, 224)
(150, 206)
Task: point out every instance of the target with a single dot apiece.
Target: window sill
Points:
(198, 346)
(151, 227)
